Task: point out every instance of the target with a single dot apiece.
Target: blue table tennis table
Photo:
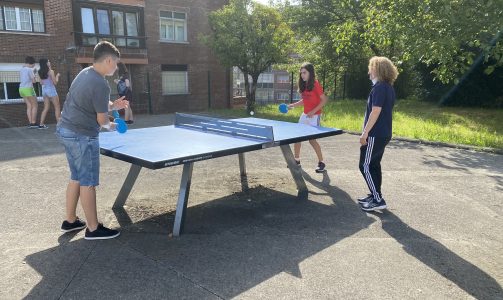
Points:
(194, 138)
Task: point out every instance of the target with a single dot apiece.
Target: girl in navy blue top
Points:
(377, 129)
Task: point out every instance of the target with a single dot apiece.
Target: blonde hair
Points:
(384, 69)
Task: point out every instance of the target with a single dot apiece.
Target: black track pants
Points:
(370, 164)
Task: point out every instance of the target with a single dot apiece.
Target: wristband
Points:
(106, 126)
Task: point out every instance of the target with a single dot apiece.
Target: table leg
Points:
(183, 198)
(294, 169)
(127, 186)
(242, 170)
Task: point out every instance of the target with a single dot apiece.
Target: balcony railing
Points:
(121, 41)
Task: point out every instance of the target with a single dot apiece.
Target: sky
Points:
(262, 1)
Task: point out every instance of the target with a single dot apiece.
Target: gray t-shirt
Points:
(26, 77)
(88, 95)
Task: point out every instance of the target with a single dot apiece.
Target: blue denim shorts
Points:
(49, 91)
(83, 155)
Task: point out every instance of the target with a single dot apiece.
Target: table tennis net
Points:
(224, 127)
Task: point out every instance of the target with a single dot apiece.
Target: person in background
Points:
(124, 90)
(49, 81)
(27, 79)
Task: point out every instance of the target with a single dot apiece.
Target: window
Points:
(264, 95)
(173, 26)
(266, 77)
(9, 84)
(118, 27)
(264, 85)
(87, 20)
(103, 25)
(174, 79)
(283, 96)
(38, 20)
(132, 29)
(21, 19)
(10, 18)
(117, 24)
(283, 79)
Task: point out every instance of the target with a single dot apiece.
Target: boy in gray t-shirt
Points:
(84, 112)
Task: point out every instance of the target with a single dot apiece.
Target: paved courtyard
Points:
(441, 237)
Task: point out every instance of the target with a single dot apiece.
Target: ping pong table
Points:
(194, 138)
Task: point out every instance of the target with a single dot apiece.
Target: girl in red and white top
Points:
(313, 100)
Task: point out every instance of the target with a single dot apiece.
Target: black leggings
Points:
(370, 163)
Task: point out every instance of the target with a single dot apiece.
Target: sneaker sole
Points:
(73, 229)
(102, 237)
(374, 208)
(364, 201)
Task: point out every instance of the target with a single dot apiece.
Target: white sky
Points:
(262, 1)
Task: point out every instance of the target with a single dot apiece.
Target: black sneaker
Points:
(374, 205)
(129, 122)
(365, 199)
(43, 126)
(33, 125)
(77, 225)
(101, 233)
(320, 168)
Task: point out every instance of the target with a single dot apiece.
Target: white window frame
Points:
(17, 11)
(281, 78)
(266, 78)
(168, 93)
(13, 67)
(283, 96)
(173, 20)
(41, 11)
(18, 19)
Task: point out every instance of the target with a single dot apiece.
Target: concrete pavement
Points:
(440, 238)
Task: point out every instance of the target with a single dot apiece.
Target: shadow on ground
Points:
(440, 259)
(229, 246)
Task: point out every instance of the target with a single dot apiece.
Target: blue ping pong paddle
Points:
(115, 113)
(121, 126)
(283, 108)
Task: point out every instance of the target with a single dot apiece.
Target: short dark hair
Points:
(29, 60)
(104, 49)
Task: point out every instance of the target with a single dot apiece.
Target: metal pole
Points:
(335, 84)
(344, 88)
(291, 88)
(150, 111)
(323, 79)
(209, 89)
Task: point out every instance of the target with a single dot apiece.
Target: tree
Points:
(448, 35)
(250, 36)
(443, 34)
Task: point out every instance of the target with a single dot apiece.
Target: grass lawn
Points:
(411, 119)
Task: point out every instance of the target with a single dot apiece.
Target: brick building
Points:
(171, 70)
(273, 86)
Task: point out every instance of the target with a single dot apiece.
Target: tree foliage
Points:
(447, 35)
(250, 36)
